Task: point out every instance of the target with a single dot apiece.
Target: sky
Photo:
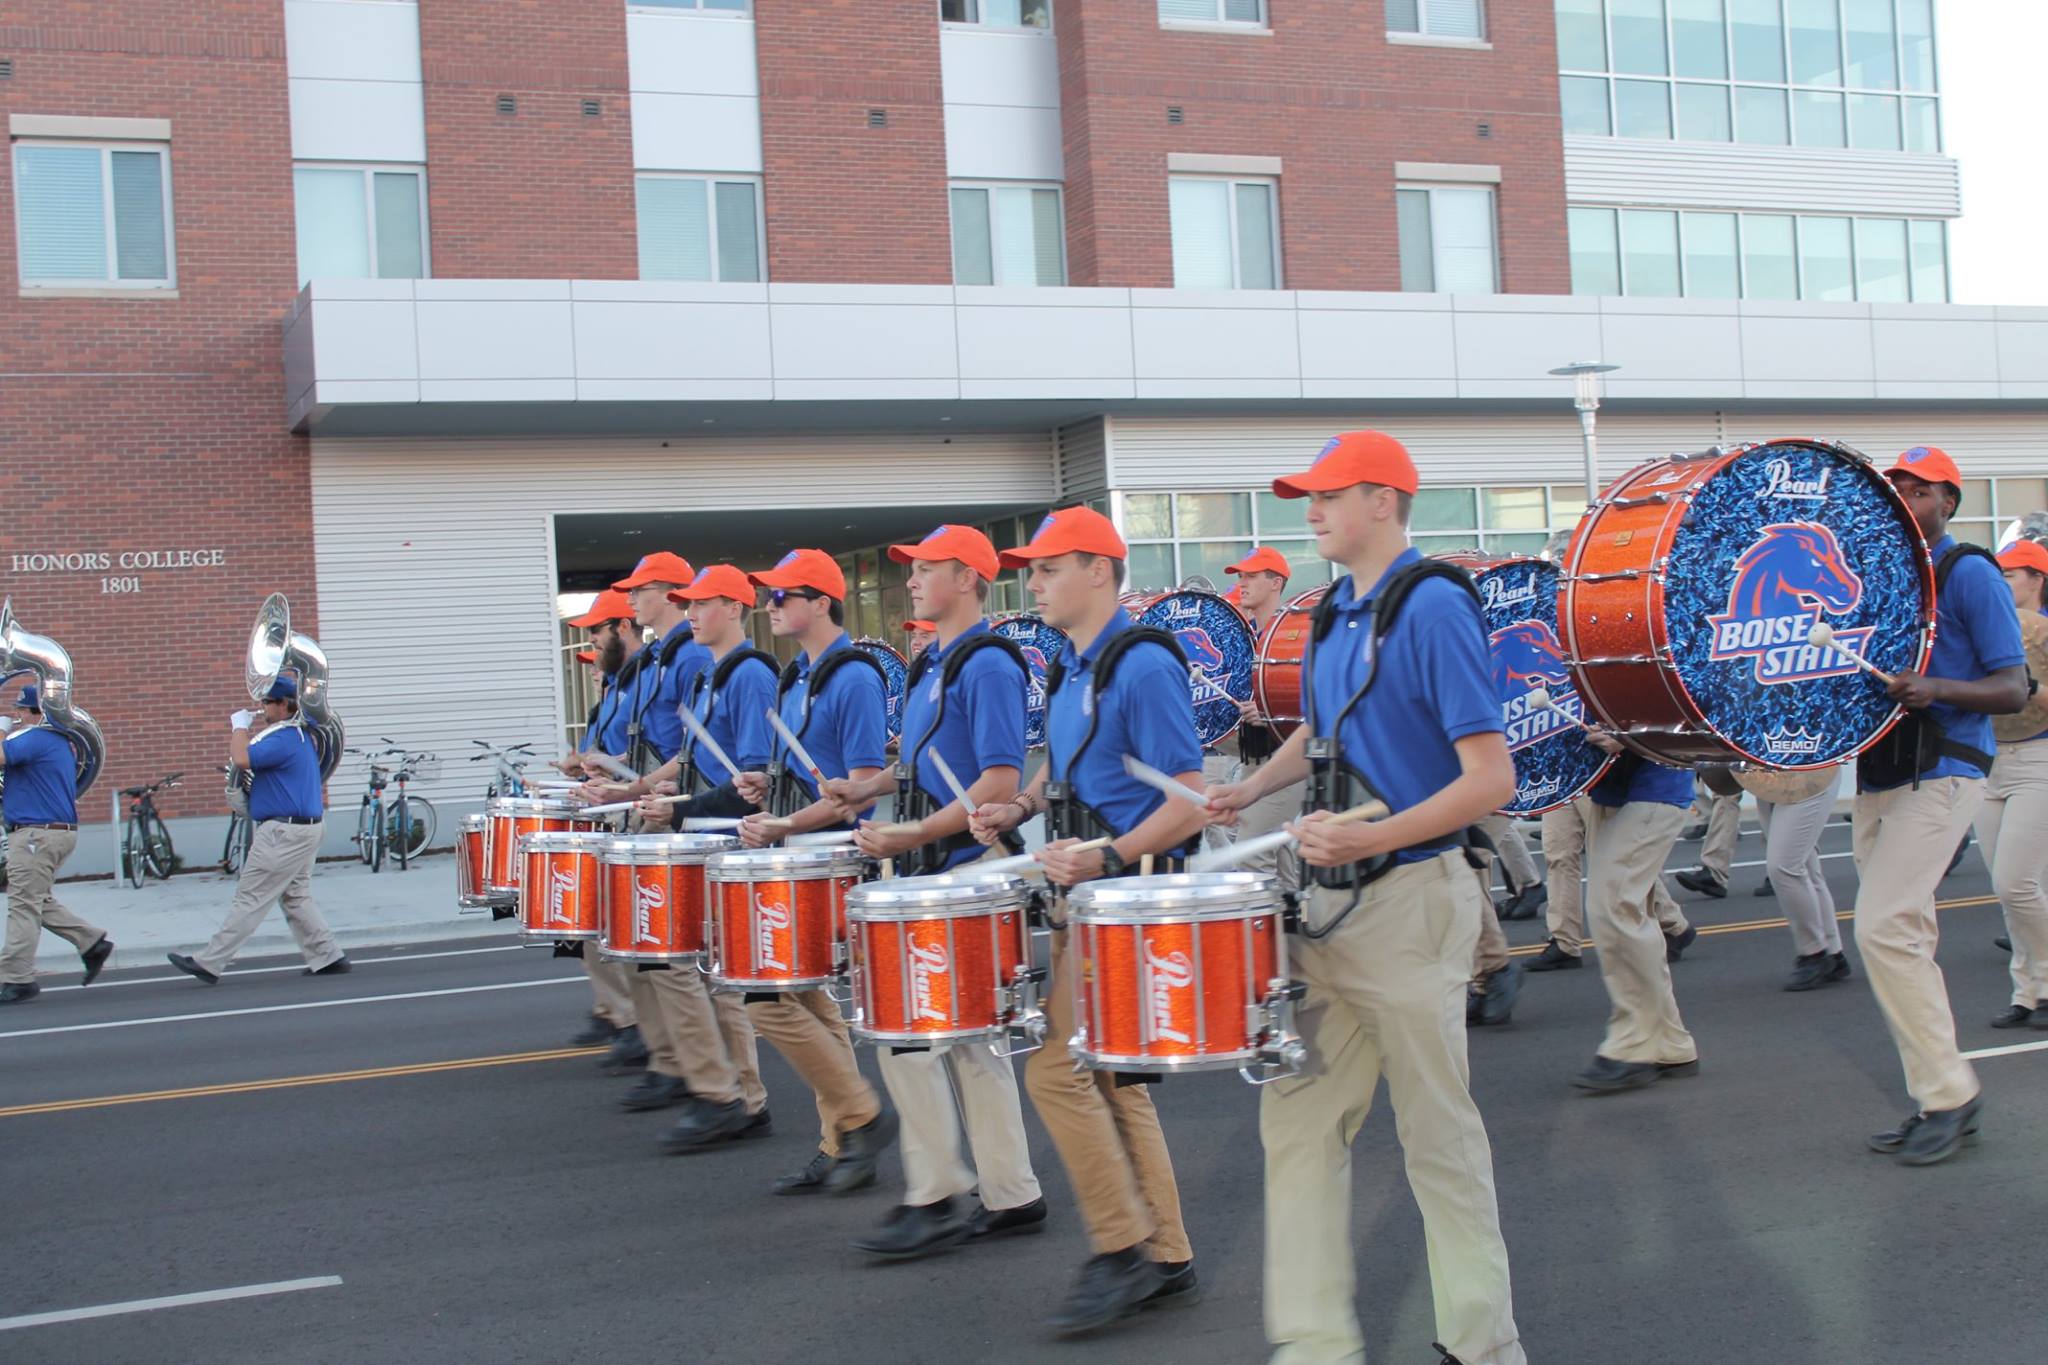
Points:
(1989, 55)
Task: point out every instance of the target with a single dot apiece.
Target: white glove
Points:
(6, 724)
(241, 719)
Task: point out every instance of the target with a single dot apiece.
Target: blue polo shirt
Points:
(1651, 782)
(42, 778)
(1433, 688)
(657, 691)
(285, 768)
(608, 733)
(1147, 711)
(737, 718)
(845, 727)
(980, 726)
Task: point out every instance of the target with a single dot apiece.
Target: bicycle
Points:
(241, 831)
(508, 777)
(405, 826)
(145, 840)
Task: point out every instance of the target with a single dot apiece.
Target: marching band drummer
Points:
(1564, 847)
(2013, 823)
(834, 699)
(1917, 790)
(1125, 693)
(971, 714)
(42, 829)
(916, 635)
(1401, 707)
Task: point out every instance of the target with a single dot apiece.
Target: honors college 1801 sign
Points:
(119, 570)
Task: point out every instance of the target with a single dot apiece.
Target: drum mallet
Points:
(1540, 698)
(1232, 854)
(1823, 635)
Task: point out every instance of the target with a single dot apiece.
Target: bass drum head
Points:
(1218, 644)
(1787, 534)
(1041, 645)
(896, 669)
(1553, 762)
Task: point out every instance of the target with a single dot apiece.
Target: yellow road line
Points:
(1751, 926)
(292, 1082)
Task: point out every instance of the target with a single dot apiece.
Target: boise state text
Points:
(1791, 576)
(1553, 761)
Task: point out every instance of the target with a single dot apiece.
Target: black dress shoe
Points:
(1690, 833)
(95, 958)
(1474, 1002)
(859, 1151)
(2013, 1016)
(1811, 972)
(1178, 1287)
(760, 1124)
(1524, 904)
(1607, 1076)
(1940, 1135)
(341, 966)
(654, 1091)
(19, 992)
(1840, 970)
(705, 1124)
(1497, 992)
(809, 1180)
(1893, 1139)
(596, 1033)
(1448, 1358)
(1554, 959)
(1702, 881)
(913, 1230)
(1111, 1286)
(2003, 942)
(1022, 1221)
(184, 963)
(1676, 944)
(1764, 888)
(627, 1054)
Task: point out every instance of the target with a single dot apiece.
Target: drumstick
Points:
(1025, 862)
(1823, 635)
(611, 765)
(1160, 781)
(796, 748)
(710, 822)
(1539, 697)
(945, 771)
(609, 807)
(703, 737)
(1232, 854)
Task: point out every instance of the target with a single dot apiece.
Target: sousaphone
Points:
(276, 649)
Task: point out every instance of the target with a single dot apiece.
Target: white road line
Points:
(111, 1310)
(2007, 1051)
(99, 986)
(280, 1009)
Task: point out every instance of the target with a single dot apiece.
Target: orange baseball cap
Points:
(919, 625)
(1071, 530)
(611, 605)
(962, 543)
(805, 569)
(2025, 554)
(659, 567)
(1264, 559)
(1929, 464)
(586, 656)
(717, 580)
(1354, 457)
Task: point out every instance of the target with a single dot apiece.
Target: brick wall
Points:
(545, 192)
(154, 423)
(1328, 94)
(844, 201)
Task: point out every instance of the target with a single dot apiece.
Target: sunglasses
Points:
(778, 596)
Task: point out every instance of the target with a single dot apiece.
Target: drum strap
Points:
(785, 791)
(912, 801)
(691, 779)
(1917, 743)
(639, 754)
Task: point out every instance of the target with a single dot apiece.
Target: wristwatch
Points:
(1113, 864)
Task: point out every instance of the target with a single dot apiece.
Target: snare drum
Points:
(777, 917)
(469, 865)
(1182, 972)
(1040, 644)
(1276, 680)
(560, 891)
(1218, 644)
(936, 959)
(1691, 585)
(507, 821)
(653, 901)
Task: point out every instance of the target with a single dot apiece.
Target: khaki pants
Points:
(1490, 953)
(611, 988)
(1792, 861)
(1564, 847)
(1518, 869)
(1265, 815)
(1108, 1136)
(923, 1085)
(1625, 856)
(808, 1030)
(33, 857)
(1724, 826)
(1904, 839)
(279, 870)
(2012, 825)
(1386, 997)
(704, 1040)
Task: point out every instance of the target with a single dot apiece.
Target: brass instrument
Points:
(46, 661)
(275, 649)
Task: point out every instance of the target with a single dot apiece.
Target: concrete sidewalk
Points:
(180, 915)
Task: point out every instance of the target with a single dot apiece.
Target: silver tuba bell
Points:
(46, 660)
(275, 649)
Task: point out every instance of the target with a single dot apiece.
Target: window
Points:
(998, 13)
(1008, 234)
(1649, 252)
(1642, 109)
(1703, 113)
(692, 228)
(1225, 234)
(359, 223)
(1447, 239)
(1252, 12)
(1581, 35)
(1638, 28)
(1585, 106)
(1438, 18)
(93, 216)
(1826, 266)
(1653, 253)
(726, 6)
(1596, 252)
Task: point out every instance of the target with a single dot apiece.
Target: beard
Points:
(611, 655)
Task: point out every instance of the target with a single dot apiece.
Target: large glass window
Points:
(1817, 119)
(1816, 33)
(998, 13)
(1882, 275)
(1447, 240)
(1930, 261)
(1699, 39)
(1770, 266)
(1213, 11)
(1438, 18)
(1874, 122)
(1916, 44)
(696, 228)
(1760, 117)
(93, 216)
(1872, 44)
(1639, 37)
(1757, 28)
(1585, 105)
(1703, 113)
(1008, 234)
(1662, 253)
(1581, 35)
(1649, 252)
(1642, 109)
(1224, 234)
(1596, 252)
(1712, 270)
(1825, 266)
(359, 222)
(714, 6)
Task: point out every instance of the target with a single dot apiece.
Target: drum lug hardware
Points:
(841, 989)
(1024, 1019)
(1282, 1052)
(1620, 576)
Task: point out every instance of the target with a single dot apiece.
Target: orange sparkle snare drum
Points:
(508, 820)
(560, 888)
(654, 895)
(941, 958)
(777, 919)
(1283, 646)
(1183, 972)
(470, 891)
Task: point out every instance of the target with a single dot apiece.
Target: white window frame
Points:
(691, 7)
(369, 169)
(980, 23)
(1431, 188)
(1236, 254)
(1742, 217)
(1261, 25)
(712, 180)
(106, 148)
(1060, 193)
(1420, 35)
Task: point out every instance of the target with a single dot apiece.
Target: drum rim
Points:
(472, 822)
(563, 841)
(508, 807)
(822, 862)
(661, 843)
(1302, 603)
(990, 902)
(1167, 897)
(1193, 1061)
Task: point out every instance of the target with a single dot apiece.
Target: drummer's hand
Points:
(1226, 799)
(1066, 868)
(1248, 709)
(759, 831)
(752, 787)
(1603, 741)
(1914, 690)
(991, 820)
(879, 840)
(843, 790)
(1324, 844)
(597, 793)
(666, 787)
(570, 766)
(654, 811)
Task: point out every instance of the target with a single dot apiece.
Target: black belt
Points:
(37, 824)
(289, 820)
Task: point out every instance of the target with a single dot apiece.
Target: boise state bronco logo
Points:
(1791, 575)
(1526, 655)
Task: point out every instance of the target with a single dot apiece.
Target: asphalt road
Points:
(510, 1212)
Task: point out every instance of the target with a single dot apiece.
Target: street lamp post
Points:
(1585, 376)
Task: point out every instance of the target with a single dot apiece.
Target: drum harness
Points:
(912, 801)
(785, 789)
(708, 797)
(1917, 743)
(1334, 783)
(640, 756)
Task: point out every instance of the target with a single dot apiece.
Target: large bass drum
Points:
(1283, 649)
(1690, 588)
(895, 669)
(1218, 644)
(1040, 644)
